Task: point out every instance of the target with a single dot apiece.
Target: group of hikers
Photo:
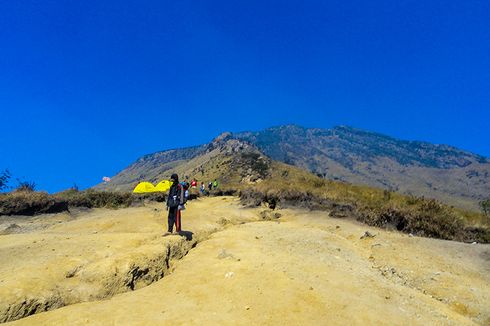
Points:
(202, 189)
(177, 197)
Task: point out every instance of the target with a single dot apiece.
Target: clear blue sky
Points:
(87, 87)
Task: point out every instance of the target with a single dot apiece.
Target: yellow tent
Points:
(144, 187)
(163, 186)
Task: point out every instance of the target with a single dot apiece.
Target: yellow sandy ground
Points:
(304, 268)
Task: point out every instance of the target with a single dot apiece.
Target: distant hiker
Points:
(202, 189)
(215, 184)
(210, 186)
(175, 203)
(185, 186)
(193, 183)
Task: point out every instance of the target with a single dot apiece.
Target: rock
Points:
(223, 254)
(367, 234)
(72, 272)
(12, 228)
(341, 211)
(268, 215)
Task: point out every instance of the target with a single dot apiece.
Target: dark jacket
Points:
(177, 191)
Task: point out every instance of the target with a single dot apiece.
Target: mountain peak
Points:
(223, 137)
(226, 143)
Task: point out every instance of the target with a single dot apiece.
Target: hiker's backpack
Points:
(174, 199)
(183, 189)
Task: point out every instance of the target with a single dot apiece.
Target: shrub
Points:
(26, 186)
(4, 179)
(485, 207)
(35, 203)
(96, 199)
(31, 203)
(410, 214)
(256, 163)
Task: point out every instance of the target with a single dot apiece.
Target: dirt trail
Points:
(62, 259)
(300, 269)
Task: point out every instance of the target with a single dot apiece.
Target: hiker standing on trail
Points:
(175, 201)
(215, 184)
(202, 189)
(210, 186)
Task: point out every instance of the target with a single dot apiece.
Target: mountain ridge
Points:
(342, 153)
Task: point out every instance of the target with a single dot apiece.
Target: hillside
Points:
(227, 159)
(345, 154)
(443, 172)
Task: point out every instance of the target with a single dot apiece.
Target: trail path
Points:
(303, 268)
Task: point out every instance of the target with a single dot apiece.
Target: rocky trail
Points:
(234, 265)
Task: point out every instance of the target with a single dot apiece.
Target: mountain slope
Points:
(347, 145)
(443, 172)
(227, 159)
(360, 157)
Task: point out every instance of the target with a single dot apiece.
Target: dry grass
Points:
(36, 203)
(30, 203)
(290, 186)
(283, 185)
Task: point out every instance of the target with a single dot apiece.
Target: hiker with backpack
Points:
(194, 183)
(175, 204)
(185, 186)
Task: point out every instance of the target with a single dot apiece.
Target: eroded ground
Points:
(302, 268)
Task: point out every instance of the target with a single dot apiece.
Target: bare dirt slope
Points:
(302, 268)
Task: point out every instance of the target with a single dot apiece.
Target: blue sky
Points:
(87, 87)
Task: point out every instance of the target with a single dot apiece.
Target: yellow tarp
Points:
(144, 187)
(163, 186)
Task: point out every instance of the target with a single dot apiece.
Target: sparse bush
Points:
(4, 179)
(376, 207)
(386, 195)
(74, 187)
(96, 199)
(26, 186)
(412, 200)
(257, 163)
(429, 219)
(485, 207)
(36, 203)
(31, 203)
